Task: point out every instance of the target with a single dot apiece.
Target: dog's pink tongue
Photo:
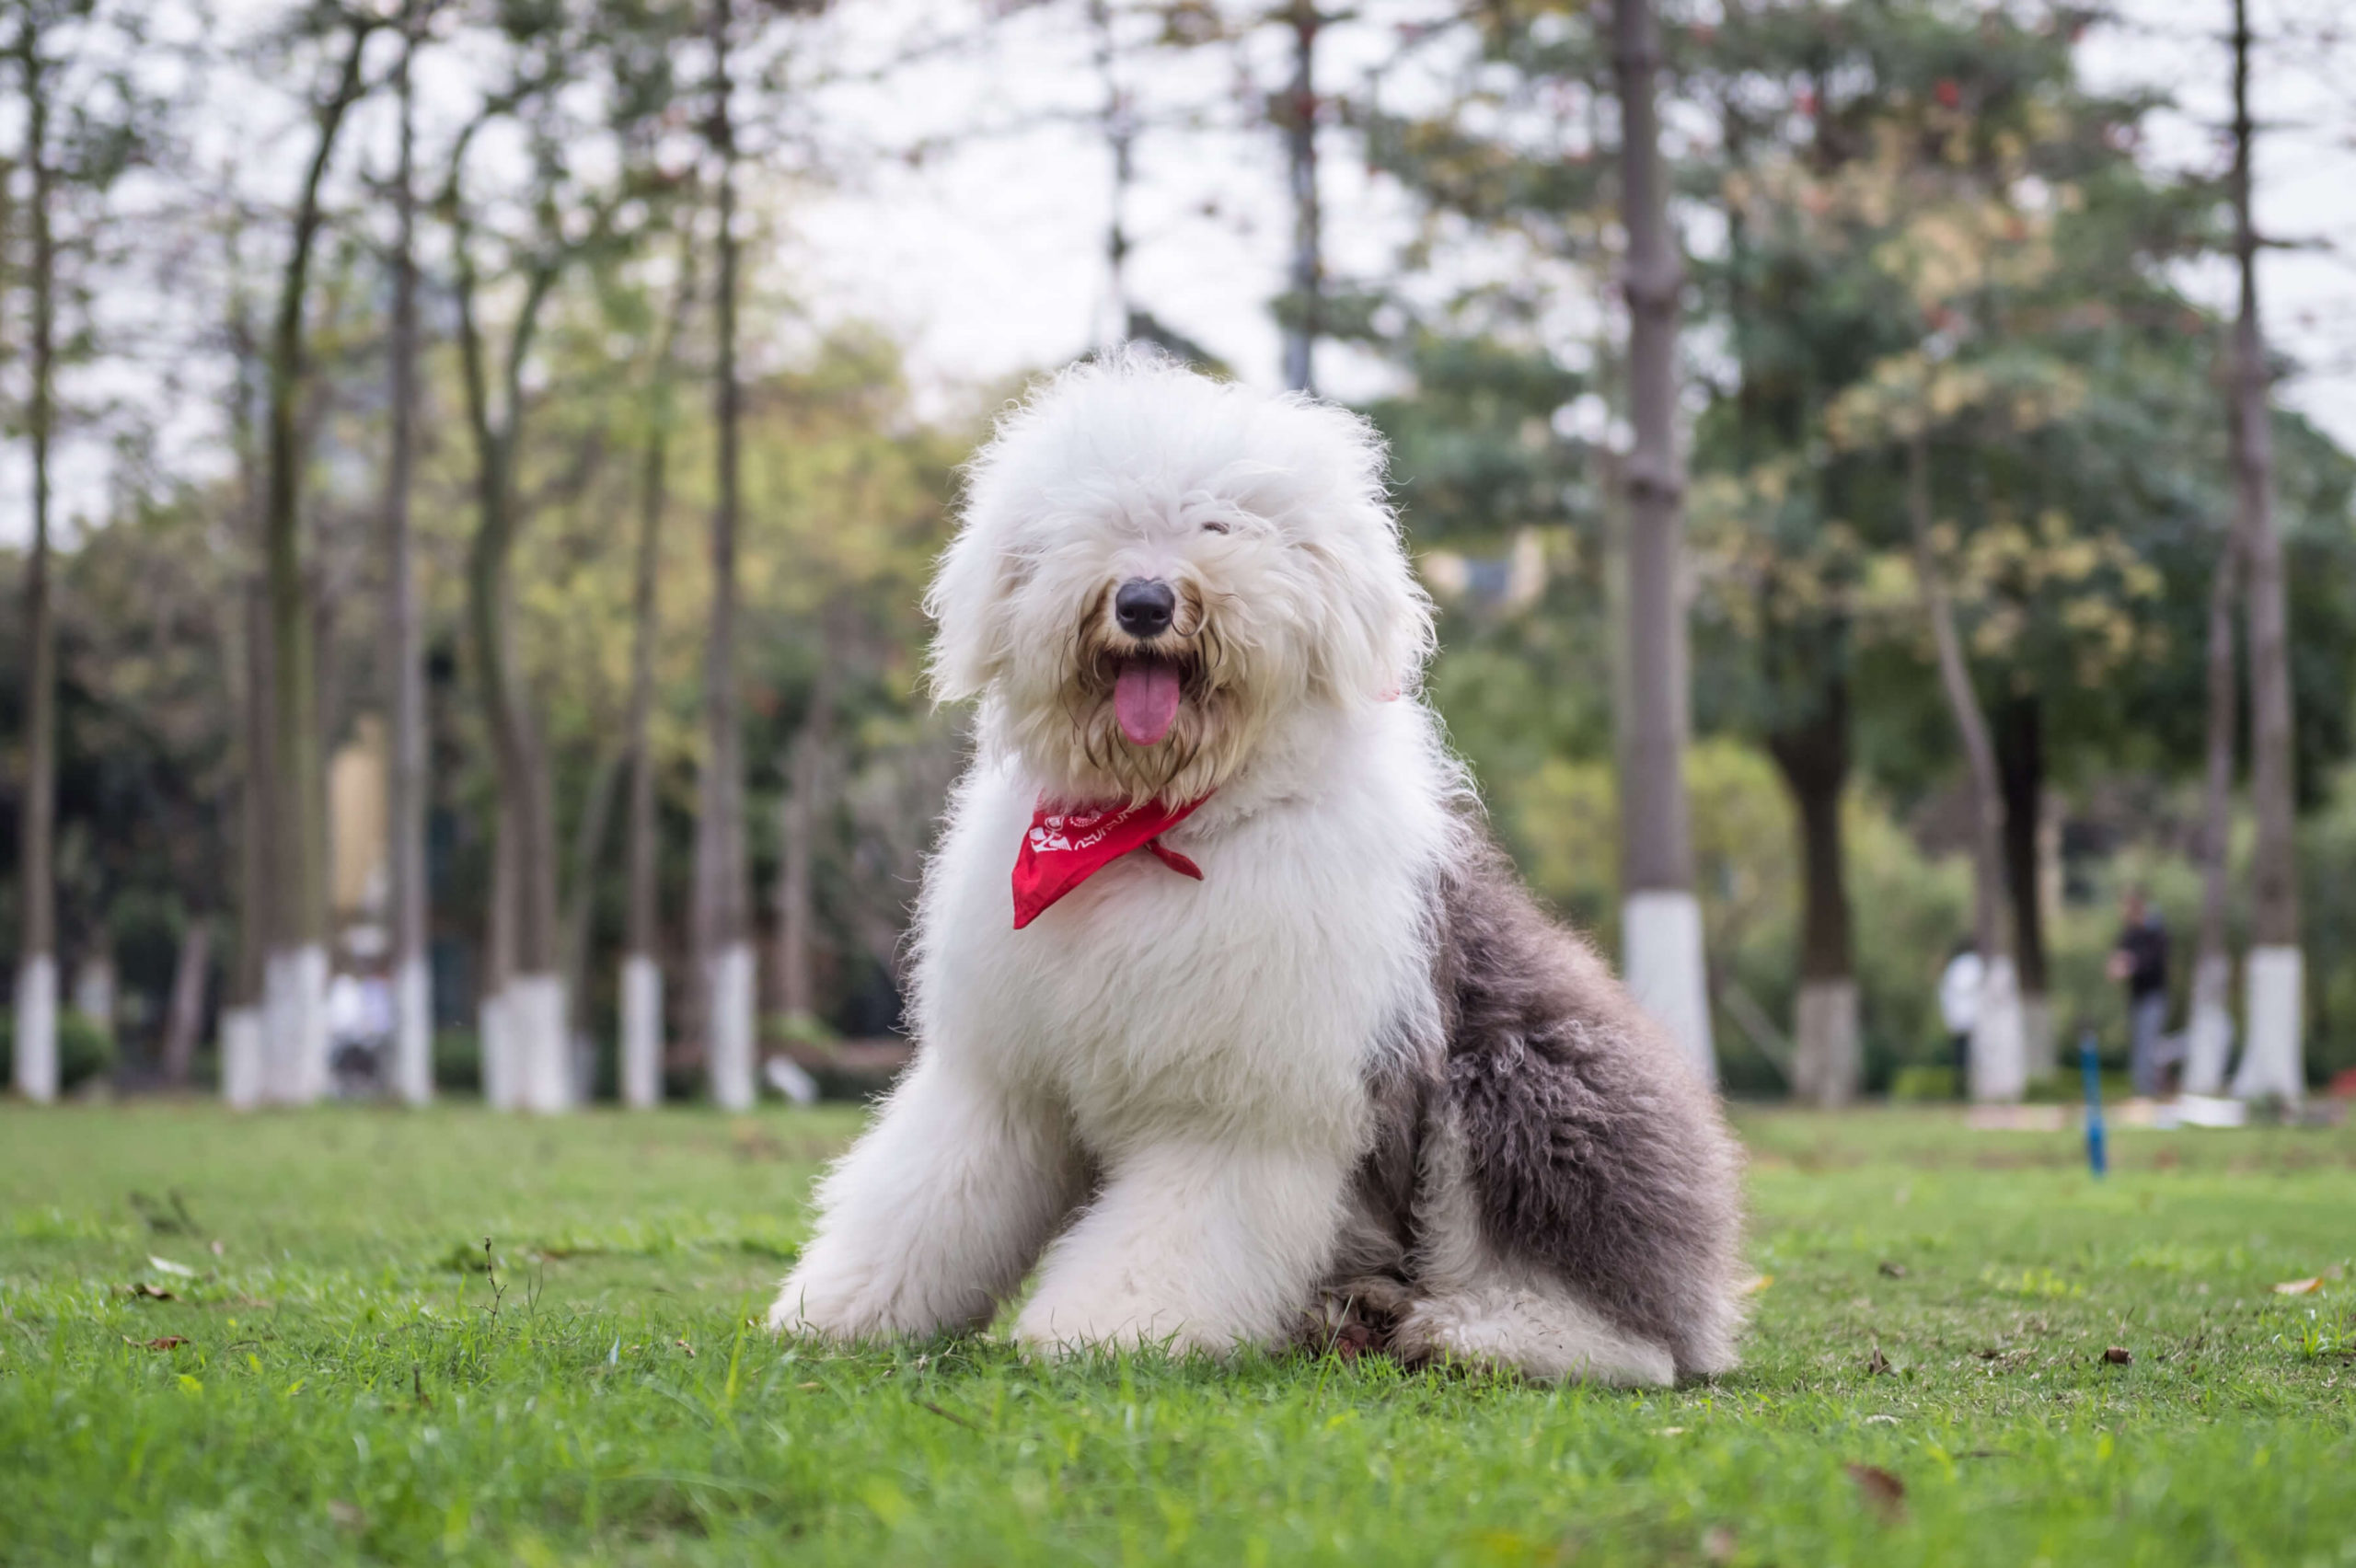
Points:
(1145, 700)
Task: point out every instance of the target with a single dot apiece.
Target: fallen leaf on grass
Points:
(1668, 1432)
(2299, 1287)
(1878, 1365)
(169, 1341)
(1883, 1489)
(142, 1290)
(1893, 1270)
(1882, 1421)
(166, 1265)
(2119, 1355)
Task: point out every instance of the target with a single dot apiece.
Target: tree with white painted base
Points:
(723, 896)
(1999, 1068)
(294, 974)
(1661, 918)
(2209, 1037)
(412, 1045)
(2273, 1063)
(35, 1060)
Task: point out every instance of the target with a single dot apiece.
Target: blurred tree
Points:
(575, 84)
(295, 971)
(723, 894)
(88, 119)
(2275, 980)
(412, 1041)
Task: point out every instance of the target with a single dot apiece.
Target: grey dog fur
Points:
(1595, 1152)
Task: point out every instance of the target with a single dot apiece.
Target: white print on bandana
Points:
(1079, 830)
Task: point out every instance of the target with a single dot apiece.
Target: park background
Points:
(2007, 230)
(373, 523)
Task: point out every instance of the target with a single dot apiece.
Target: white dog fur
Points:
(1235, 1110)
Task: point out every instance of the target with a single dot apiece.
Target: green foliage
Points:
(354, 1377)
(1925, 1083)
(458, 1061)
(1562, 821)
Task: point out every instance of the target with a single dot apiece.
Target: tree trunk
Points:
(2273, 1063)
(642, 988)
(1996, 1065)
(581, 908)
(538, 1075)
(1661, 925)
(527, 1013)
(641, 1009)
(1828, 1069)
(248, 644)
(184, 1017)
(724, 898)
(2020, 767)
(412, 979)
(295, 1016)
(495, 1051)
(797, 992)
(1306, 278)
(36, 1070)
(245, 1079)
(2211, 1041)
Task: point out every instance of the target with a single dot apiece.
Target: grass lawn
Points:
(331, 1374)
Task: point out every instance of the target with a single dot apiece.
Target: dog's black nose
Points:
(1143, 606)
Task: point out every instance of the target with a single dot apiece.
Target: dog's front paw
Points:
(823, 1300)
(1058, 1327)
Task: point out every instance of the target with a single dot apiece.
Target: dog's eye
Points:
(1214, 526)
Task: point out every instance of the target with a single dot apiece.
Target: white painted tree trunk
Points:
(244, 1076)
(729, 1030)
(1826, 1065)
(2209, 1042)
(36, 1029)
(1999, 1066)
(539, 1053)
(2272, 1066)
(1661, 932)
(2040, 1057)
(642, 1063)
(490, 1030)
(294, 1025)
(413, 1031)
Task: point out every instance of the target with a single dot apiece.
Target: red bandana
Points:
(1064, 849)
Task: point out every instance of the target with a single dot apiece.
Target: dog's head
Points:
(1155, 570)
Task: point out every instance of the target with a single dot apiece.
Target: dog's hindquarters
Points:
(1575, 1211)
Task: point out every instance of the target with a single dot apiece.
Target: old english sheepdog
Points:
(1269, 1045)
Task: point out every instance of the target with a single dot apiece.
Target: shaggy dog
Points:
(1314, 1066)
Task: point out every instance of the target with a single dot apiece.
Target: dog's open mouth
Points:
(1146, 694)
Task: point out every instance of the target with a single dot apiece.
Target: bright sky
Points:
(986, 256)
(989, 259)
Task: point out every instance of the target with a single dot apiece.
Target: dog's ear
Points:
(1376, 633)
(968, 602)
(1375, 644)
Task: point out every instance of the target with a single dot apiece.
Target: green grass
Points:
(339, 1379)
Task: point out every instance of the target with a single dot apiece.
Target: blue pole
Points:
(2096, 1159)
